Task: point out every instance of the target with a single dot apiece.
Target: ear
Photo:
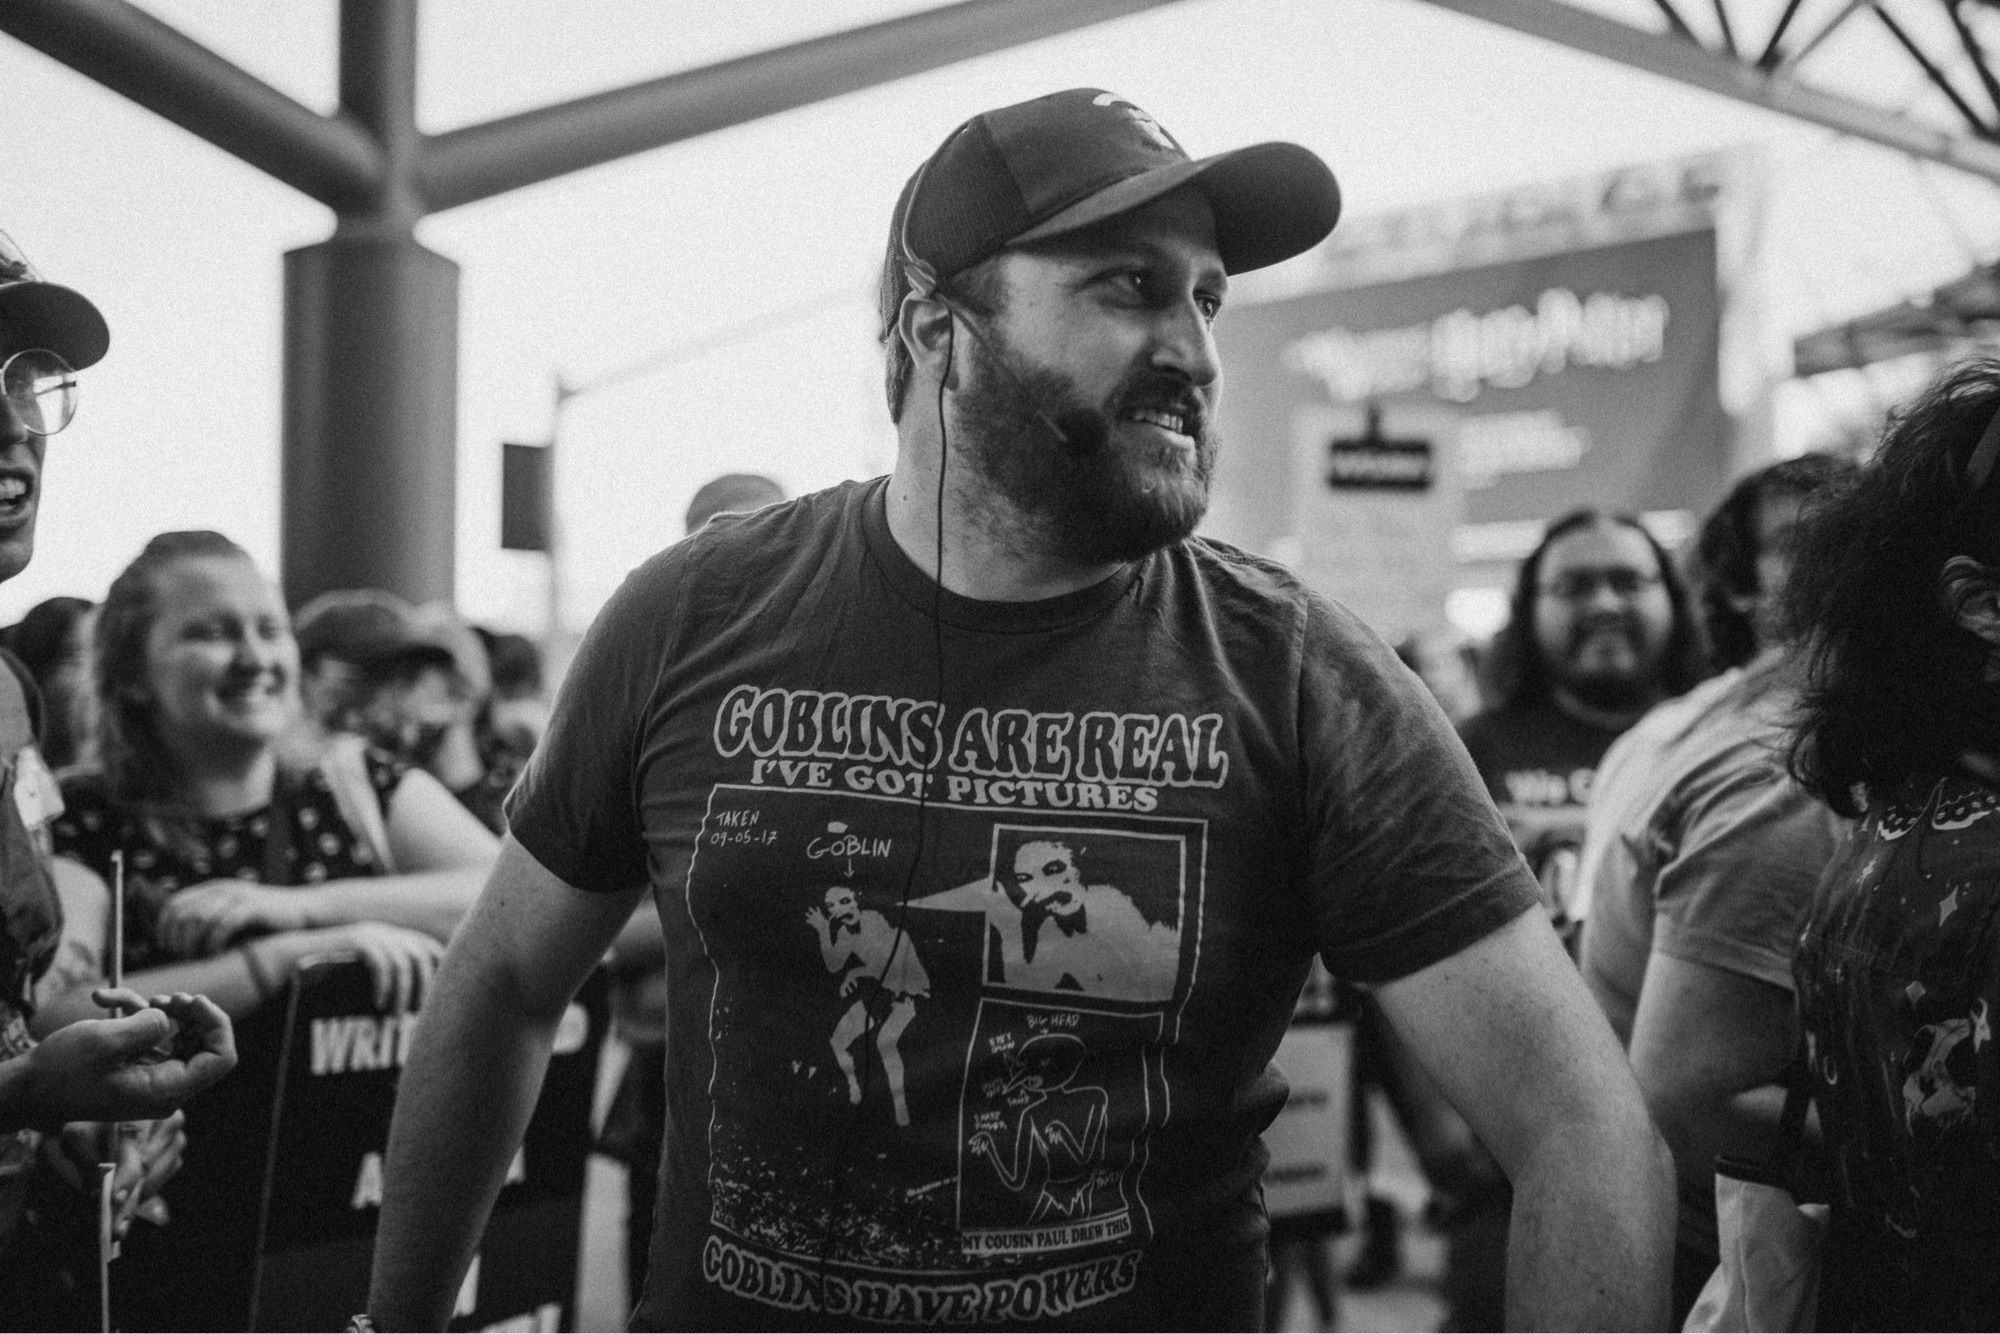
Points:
(1969, 593)
(925, 325)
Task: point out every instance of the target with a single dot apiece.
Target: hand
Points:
(850, 981)
(400, 960)
(816, 920)
(147, 1155)
(203, 919)
(134, 1068)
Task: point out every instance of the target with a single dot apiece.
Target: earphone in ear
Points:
(1078, 430)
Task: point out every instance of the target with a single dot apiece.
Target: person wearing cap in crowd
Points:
(412, 682)
(1014, 640)
(52, 918)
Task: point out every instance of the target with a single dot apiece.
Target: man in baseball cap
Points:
(96, 1070)
(902, 689)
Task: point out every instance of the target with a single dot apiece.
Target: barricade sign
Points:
(1306, 1178)
(273, 1226)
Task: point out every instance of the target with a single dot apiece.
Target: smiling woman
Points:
(249, 848)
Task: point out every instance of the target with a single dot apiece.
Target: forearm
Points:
(464, 1102)
(230, 979)
(474, 1074)
(1592, 1230)
(224, 978)
(433, 902)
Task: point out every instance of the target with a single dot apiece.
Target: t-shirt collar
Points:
(963, 613)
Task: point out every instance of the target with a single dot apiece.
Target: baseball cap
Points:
(369, 629)
(1064, 161)
(43, 314)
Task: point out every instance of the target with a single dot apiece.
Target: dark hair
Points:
(1519, 674)
(130, 750)
(1723, 564)
(41, 638)
(515, 661)
(1892, 683)
(976, 289)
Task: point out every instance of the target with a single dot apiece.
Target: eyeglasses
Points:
(1580, 585)
(40, 388)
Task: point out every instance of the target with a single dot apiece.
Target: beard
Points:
(1612, 687)
(1115, 502)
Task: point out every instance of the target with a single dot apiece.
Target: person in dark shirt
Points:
(901, 686)
(1895, 598)
(1601, 628)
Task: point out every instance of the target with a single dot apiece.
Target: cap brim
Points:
(57, 318)
(1271, 202)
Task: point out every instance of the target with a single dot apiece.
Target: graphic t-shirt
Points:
(1899, 979)
(981, 930)
(1539, 763)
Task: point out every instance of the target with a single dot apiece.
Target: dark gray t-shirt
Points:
(998, 1052)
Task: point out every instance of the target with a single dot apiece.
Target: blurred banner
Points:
(1559, 345)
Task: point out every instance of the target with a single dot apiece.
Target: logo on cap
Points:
(1153, 129)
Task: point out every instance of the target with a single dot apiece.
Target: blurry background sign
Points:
(1308, 1140)
(1571, 331)
(524, 497)
(1377, 490)
(1372, 461)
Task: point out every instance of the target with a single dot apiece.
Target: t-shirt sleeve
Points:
(1750, 849)
(575, 808)
(1410, 862)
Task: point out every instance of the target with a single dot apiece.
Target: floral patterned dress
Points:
(299, 839)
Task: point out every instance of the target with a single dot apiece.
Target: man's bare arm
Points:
(1508, 1029)
(474, 1073)
(1703, 1039)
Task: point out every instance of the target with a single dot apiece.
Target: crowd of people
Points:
(1000, 819)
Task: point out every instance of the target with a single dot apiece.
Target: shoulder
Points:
(736, 556)
(1252, 592)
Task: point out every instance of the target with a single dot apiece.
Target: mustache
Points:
(1161, 391)
(1621, 622)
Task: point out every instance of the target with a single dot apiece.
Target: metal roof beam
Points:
(481, 161)
(1684, 61)
(132, 53)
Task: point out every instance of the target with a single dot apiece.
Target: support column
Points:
(370, 418)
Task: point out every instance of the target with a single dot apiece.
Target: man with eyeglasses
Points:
(155, 1054)
(1601, 629)
(1699, 859)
